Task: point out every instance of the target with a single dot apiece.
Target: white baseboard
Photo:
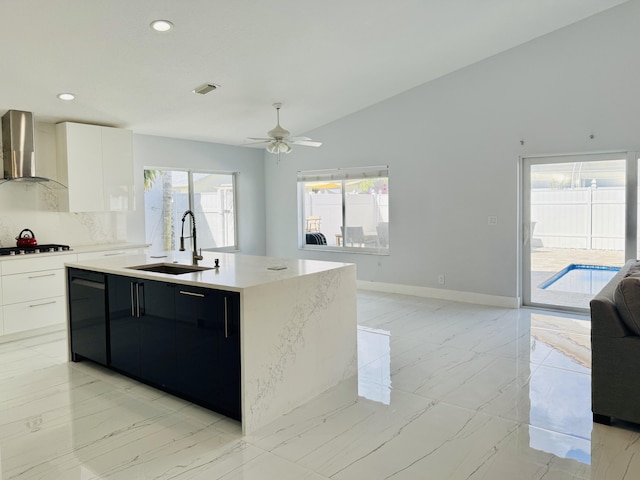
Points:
(439, 293)
(31, 333)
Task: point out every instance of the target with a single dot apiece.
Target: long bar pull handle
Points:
(113, 254)
(133, 310)
(88, 283)
(226, 319)
(140, 300)
(41, 304)
(193, 294)
(41, 276)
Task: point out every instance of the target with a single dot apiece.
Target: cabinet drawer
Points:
(108, 253)
(24, 287)
(33, 264)
(37, 314)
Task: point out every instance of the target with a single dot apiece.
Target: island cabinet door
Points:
(124, 324)
(87, 316)
(157, 333)
(208, 348)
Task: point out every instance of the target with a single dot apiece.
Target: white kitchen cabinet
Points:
(19, 317)
(25, 287)
(1, 315)
(36, 263)
(96, 164)
(32, 293)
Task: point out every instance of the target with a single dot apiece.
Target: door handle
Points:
(193, 294)
(88, 283)
(226, 319)
(133, 286)
(139, 300)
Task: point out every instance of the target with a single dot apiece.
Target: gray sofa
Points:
(615, 347)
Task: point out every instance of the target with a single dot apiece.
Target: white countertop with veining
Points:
(103, 247)
(236, 272)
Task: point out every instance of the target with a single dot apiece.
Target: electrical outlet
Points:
(441, 279)
(492, 220)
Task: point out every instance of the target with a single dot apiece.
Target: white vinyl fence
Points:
(581, 218)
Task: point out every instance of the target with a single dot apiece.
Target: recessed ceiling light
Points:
(161, 25)
(66, 96)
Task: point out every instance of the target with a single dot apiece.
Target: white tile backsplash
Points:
(64, 228)
(35, 206)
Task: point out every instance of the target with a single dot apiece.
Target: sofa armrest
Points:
(605, 320)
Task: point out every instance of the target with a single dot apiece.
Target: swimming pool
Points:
(580, 278)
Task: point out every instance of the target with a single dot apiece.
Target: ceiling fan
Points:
(279, 140)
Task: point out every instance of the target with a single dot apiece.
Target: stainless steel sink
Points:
(170, 268)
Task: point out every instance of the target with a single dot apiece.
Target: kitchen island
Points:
(296, 323)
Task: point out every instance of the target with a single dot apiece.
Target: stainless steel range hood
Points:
(18, 148)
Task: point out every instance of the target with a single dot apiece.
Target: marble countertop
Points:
(103, 247)
(236, 272)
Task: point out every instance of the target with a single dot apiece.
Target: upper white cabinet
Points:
(96, 164)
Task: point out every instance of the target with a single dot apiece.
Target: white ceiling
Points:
(322, 59)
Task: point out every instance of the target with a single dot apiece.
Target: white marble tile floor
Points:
(445, 391)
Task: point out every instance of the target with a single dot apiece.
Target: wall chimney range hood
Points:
(18, 148)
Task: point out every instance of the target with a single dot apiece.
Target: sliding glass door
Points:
(579, 226)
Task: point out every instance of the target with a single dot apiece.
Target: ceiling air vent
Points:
(205, 88)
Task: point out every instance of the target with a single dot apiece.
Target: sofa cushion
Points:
(634, 270)
(627, 300)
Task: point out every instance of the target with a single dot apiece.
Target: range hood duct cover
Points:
(18, 147)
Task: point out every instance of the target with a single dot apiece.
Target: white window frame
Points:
(190, 172)
(342, 176)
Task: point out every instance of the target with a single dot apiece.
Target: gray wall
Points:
(453, 148)
(170, 152)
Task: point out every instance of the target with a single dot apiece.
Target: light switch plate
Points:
(492, 220)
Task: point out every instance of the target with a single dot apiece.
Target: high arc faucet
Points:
(195, 255)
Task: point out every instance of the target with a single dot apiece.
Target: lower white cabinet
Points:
(32, 293)
(24, 287)
(19, 317)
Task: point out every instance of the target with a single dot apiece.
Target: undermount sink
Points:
(170, 268)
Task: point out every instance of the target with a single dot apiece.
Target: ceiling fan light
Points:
(278, 147)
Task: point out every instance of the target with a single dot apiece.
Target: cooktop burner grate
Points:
(46, 248)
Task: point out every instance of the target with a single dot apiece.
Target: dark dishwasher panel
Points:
(87, 316)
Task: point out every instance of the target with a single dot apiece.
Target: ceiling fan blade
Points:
(295, 139)
(260, 139)
(306, 143)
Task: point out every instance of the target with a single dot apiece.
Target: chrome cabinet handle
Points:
(133, 312)
(41, 304)
(88, 283)
(140, 303)
(112, 254)
(41, 276)
(226, 322)
(193, 294)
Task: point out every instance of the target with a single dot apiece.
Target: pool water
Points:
(579, 278)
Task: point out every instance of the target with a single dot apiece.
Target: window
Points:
(345, 209)
(211, 197)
